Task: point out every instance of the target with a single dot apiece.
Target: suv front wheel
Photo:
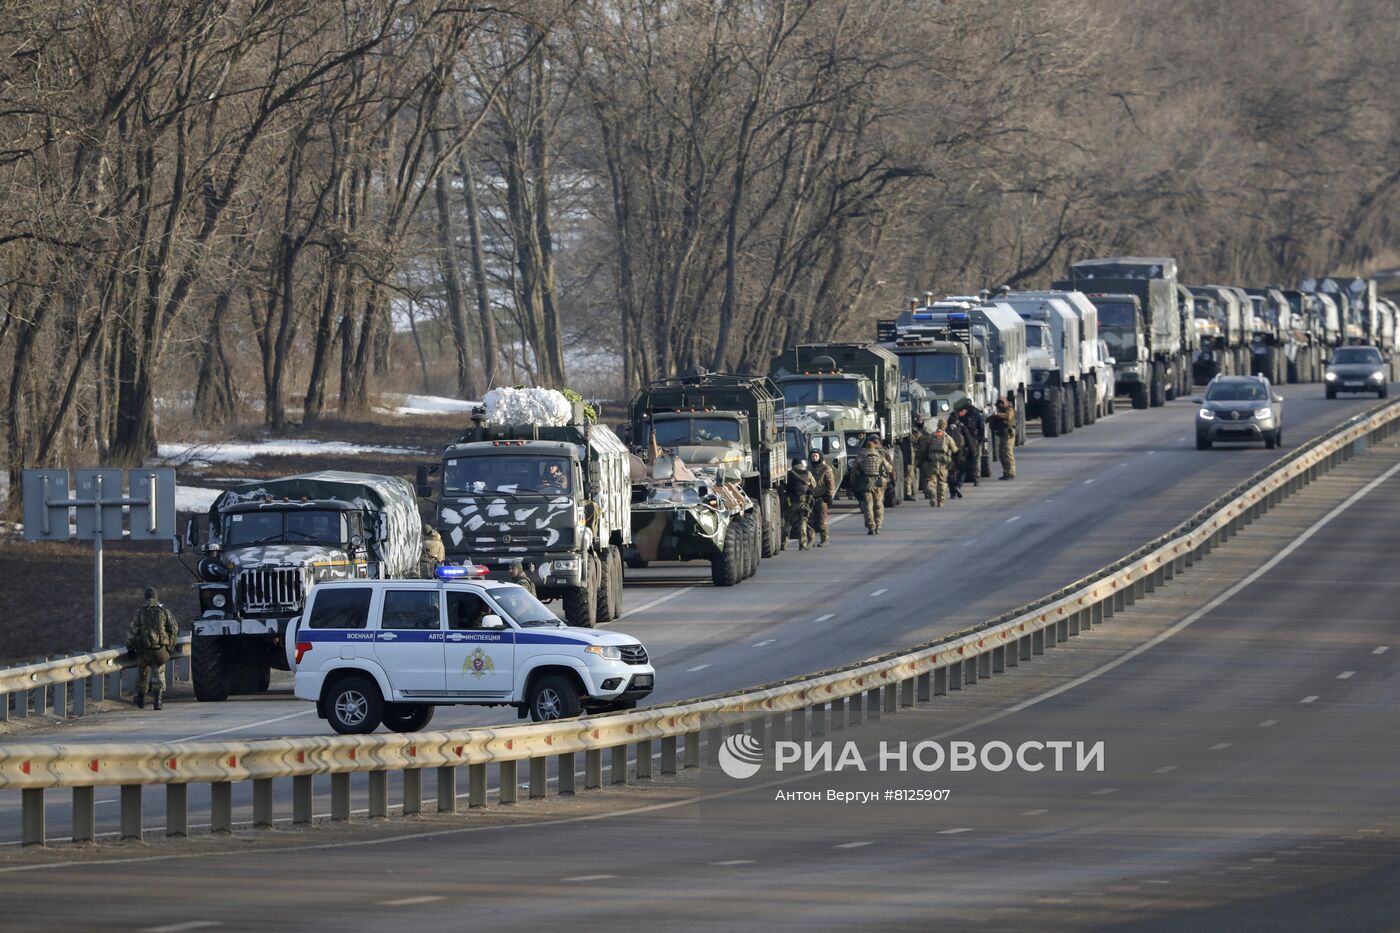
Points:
(554, 697)
(354, 707)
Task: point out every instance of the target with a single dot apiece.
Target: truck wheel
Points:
(724, 568)
(581, 604)
(353, 706)
(1051, 412)
(770, 524)
(1076, 405)
(606, 610)
(1138, 394)
(264, 678)
(986, 463)
(617, 582)
(755, 545)
(1066, 411)
(1158, 397)
(407, 717)
(894, 492)
(208, 671)
(554, 697)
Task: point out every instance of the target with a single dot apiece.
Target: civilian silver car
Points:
(1239, 409)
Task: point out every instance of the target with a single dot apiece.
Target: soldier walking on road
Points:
(797, 504)
(1004, 431)
(823, 491)
(936, 457)
(432, 554)
(152, 639)
(869, 477)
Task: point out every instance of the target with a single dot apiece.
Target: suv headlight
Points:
(1331, 376)
(1207, 414)
(1264, 414)
(606, 652)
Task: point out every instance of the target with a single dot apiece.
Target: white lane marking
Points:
(1152, 451)
(881, 591)
(655, 602)
(1034, 812)
(734, 861)
(829, 615)
(1308, 699)
(1381, 650)
(854, 845)
(1155, 881)
(1165, 769)
(246, 725)
(1346, 675)
(1267, 723)
(1103, 791)
(409, 901)
(1014, 518)
(955, 830)
(698, 667)
(179, 927)
(101, 802)
(1088, 481)
(588, 878)
(1266, 860)
(1219, 746)
(765, 643)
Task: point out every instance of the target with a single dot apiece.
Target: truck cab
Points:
(1057, 395)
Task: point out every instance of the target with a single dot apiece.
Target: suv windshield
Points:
(318, 526)
(816, 391)
(526, 610)
(931, 369)
(510, 474)
(678, 432)
(1236, 392)
(1357, 355)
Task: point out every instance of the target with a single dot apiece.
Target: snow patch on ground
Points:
(243, 451)
(425, 405)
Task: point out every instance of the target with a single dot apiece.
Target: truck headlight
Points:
(852, 442)
(219, 600)
(943, 405)
(606, 652)
(567, 563)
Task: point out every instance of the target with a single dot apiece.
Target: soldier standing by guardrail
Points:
(152, 639)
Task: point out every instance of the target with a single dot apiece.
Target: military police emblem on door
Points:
(478, 663)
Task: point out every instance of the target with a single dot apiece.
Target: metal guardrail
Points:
(794, 708)
(63, 686)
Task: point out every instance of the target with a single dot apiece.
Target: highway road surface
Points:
(1247, 716)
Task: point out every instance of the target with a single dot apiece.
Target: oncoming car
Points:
(1239, 408)
(1357, 369)
(390, 651)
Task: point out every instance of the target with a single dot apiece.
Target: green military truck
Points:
(721, 421)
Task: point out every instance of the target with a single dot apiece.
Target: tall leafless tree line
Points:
(233, 206)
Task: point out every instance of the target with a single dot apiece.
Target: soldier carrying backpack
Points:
(152, 640)
(869, 476)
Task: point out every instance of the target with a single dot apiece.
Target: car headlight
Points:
(1207, 414)
(1331, 377)
(1264, 414)
(1377, 376)
(606, 652)
(219, 600)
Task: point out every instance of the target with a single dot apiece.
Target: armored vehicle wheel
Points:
(407, 717)
(208, 671)
(607, 610)
(554, 696)
(755, 545)
(353, 706)
(581, 605)
(771, 524)
(1383, 392)
(1138, 394)
(724, 568)
(741, 533)
(1051, 412)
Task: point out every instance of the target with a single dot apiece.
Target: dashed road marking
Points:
(828, 616)
(733, 861)
(955, 830)
(1267, 723)
(1165, 769)
(409, 901)
(698, 667)
(181, 927)
(645, 606)
(1034, 812)
(1218, 746)
(1308, 699)
(765, 643)
(881, 591)
(1014, 518)
(589, 878)
(854, 845)
(1346, 675)
(1103, 790)
(1382, 649)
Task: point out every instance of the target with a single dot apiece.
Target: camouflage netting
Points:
(528, 406)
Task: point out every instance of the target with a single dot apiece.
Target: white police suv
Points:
(390, 651)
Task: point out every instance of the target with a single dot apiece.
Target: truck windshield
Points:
(797, 447)
(684, 432)
(1117, 314)
(932, 368)
(526, 610)
(507, 474)
(320, 526)
(817, 391)
(1035, 335)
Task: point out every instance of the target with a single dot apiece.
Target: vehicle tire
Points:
(617, 582)
(1076, 405)
(753, 544)
(1138, 393)
(407, 717)
(1202, 444)
(1278, 438)
(554, 696)
(264, 678)
(354, 706)
(1331, 392)
(1051, 412)
(1383, 391)
(725, 567)
(606, 611)
(894, 492)
(638, 562)
(987, 462)
(1067, 406)
(208, 668)
(1111, 405)
(1091, 402)
(1158, 396)
(581, 605)
(1271, 440)
(769, 523)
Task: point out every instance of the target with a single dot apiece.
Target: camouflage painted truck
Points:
(553, 496)
(854, 390)
(721, 419)
(268, 543)
(704, 514)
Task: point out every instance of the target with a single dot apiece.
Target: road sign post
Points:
(97, 508)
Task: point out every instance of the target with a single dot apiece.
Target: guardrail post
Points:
(40, 700)
(971, 669)
(592, 769)
(853, 709)
(303, 800)
(644, 757)
(758, 728)
(997, 660)
(1052, 635)
(177, 810)
(668, 754)
(940, 681)
(22, 705)
(60, 700)
(340, 796)
(378, 795)
(510, 782)
(617, 770)
(412, 791)
(80, 689)
(112, 685)
(1023, 649)
(713, 740)
(32, 817)
(780, 725)
(891, 698)
(925, 686)
(221, 808)
(1038, 641)
(476, 785)
(955, 676)
(872, 703)
(131, 812)
(4, 707)
(539, 778)
(262, 802)
(566, 773)
(1120, 599)
(819, 719)
(692, 750)
(799, 724)
(838, 714)
(906, 691)
(1071, 624)
(85, 814)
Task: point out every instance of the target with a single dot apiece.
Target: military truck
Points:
(1311, 331)
(1053, 348)
(1095, 371)
(1275, 346)
(940, 366)
(721, 418)
(1165, 366)
(1358, 302)
(1225, 328)
(553, 493)
(853, 389)
(684, 515)
(269, 542)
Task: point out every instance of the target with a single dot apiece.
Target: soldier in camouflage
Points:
(914, 477)
(433, 553)
(1004, 431)
(797, 504)
(936, 456)
(824, 490)
(519, 577)
(870, 474)
(152, 639)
